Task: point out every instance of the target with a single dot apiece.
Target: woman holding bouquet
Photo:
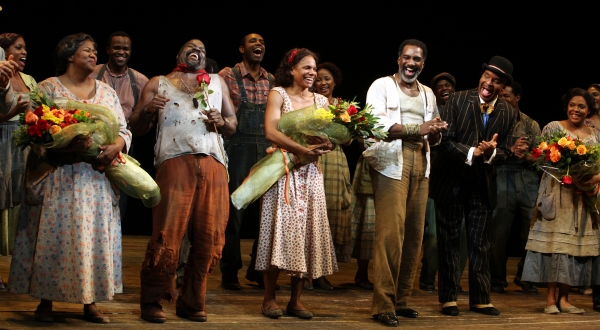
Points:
(564, 240)
(12, 158)
(68, 244)
(294, 237)
(336, 177)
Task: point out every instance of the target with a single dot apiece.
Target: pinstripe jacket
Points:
(450, 175)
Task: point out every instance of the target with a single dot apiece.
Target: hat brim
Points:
(509, 78)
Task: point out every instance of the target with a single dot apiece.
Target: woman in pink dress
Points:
(295, 237)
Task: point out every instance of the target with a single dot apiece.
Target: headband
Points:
(292, 56)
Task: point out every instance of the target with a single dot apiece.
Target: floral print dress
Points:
(68, 244)
(296, 237)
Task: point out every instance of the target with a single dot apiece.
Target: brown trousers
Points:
(195, 195)
(399, 225)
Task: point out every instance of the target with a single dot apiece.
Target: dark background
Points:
(553, 48)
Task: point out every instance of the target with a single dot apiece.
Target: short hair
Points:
(116, 34)
(283, 75)
(413, 42)
(7, 39)
(243, 41)
(66, 48)
(517, 89)
(335, 72)
(589, 99)
(594, 85)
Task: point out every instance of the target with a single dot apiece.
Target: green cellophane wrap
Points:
(297, 125)
(104, 128)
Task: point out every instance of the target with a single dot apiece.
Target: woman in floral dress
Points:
(294, 237)
(68, 244)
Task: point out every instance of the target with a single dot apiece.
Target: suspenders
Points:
(132, 81)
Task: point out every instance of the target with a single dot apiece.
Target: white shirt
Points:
(383, 96)
(469, 160)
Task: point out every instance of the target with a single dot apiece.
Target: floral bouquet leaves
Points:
(54, 123)
(570, 161)
(298, 124)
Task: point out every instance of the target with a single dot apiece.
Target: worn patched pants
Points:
(399, 224)
(195, 195)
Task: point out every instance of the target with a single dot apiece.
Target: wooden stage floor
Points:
(346, 307)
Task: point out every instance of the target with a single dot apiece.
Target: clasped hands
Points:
(486, 147)
(319, 145)
(520, 148)
(8, 69)
(434, 126)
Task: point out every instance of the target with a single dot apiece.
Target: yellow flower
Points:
(543, 146)
(323, 114)
(45, 108)
(563, 141)
(571, 145)
(581, 150)
(345, 117)
(49, 116)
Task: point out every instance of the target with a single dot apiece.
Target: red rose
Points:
(567, 179)
(362, 119)
(352, 110)
(39, 111)
(536, 152)
(203, 76)
(548, 154)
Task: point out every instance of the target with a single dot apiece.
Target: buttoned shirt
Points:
(256, 90)
(386, 157)
(122, 85)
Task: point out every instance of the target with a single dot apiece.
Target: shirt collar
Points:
(114, 74)
(244, 71)
(492, 103)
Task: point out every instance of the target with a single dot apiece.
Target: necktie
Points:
(486, 110)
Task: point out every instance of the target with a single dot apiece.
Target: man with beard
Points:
(399, 172)
(464, 183)
(191, 171)
(249, 84)
(518, 185)
(127, 82)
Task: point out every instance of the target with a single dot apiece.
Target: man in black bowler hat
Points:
(463, 182)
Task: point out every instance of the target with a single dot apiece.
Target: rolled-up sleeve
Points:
(377, 98)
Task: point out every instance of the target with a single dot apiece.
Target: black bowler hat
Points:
(500, 66)
(443, 75)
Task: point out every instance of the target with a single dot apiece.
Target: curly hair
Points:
(589, 99)
(283, 75)
(8, 39)
(335, 72)
(67, 48)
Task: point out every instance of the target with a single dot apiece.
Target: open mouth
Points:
(486, 91)
(409, 72)
(22, 60)
(445, 94)
(257, 51)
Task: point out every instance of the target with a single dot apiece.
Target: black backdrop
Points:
(552, 49)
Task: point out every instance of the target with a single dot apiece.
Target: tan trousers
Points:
(399, 225)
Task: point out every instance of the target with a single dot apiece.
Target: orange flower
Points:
(54, 129)
(345, 117)
(30, 118)
(571, 145)
(562, 142)
(554, 155)
(581, 150)
(543, 146)
(569, 138)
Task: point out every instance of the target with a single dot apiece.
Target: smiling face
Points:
(85, 57)
(596, 94)
(509, 96)
(577, 110)
(442, 90)
(19, 52)
(490, 85)
(305, 72)
(324, 84)
(119, 52)
(193, 54)
(253, 50)
(410, 63)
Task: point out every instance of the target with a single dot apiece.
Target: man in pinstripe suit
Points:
(463, 182)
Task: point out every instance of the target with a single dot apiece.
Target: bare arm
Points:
(272, 116)
(144, 115)
(225, 120)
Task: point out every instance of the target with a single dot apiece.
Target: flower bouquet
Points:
(339, 123)
(54, 123)
(570, 161)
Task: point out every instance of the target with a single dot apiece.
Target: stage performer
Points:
(399, 174)
(191, 171)
(463, 182)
